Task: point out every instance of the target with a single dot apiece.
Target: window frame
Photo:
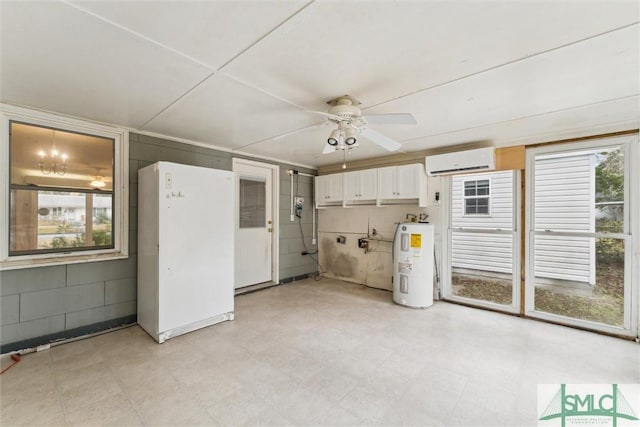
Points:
(120, 217)
(465, 198)
(630, 233)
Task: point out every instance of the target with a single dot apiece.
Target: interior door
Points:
(254, 223)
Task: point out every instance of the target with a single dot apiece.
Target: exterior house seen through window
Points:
(477, 197)
(61, 196)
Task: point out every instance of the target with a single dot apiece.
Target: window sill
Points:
(62, 259)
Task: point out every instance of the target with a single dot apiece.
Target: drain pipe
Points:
(435, 264)
(292, 217)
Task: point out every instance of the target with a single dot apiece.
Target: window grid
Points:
(477, 197)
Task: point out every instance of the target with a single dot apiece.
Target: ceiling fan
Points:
(350, 121)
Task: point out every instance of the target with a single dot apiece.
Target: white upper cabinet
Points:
(402, 182)
(387, 182)
(328, 189)
(408, 181)
(405, 184)
(360, 186)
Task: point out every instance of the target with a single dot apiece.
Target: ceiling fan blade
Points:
(391, 119)
(328, 149)
(380, 139)
(328, 115)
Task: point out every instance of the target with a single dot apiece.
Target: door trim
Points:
(275, 207)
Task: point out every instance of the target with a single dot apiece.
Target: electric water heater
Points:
(413, 265)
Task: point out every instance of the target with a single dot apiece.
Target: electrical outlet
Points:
(341, 239)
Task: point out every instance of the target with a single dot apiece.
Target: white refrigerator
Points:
(185, 248)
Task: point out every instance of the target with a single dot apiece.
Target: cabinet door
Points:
(320, 189)
(387, 183)
(368, 184)
(351, 185)
(408, 181)
(334, 187)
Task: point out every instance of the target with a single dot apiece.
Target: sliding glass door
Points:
(483, 245)
(579, 241)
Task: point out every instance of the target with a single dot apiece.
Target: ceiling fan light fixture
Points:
(98, 182)
(350, 136)
(345, 113)
(334, 137)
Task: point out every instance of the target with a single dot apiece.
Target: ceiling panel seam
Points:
(175, 101)
(237, 80)
(265, 35)
(139, 35)
(220, 148)
(199, 62)
(252, 45)
(575, 107)
(506, 64)
(259, 89)
(283, 135)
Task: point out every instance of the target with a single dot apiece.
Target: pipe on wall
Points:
(291, 173)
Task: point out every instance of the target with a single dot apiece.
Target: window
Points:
(476, 197)
(64, 195)
(582, 220)
(252, 203)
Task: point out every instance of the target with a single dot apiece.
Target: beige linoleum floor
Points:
(315, 353)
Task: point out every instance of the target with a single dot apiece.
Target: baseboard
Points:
(32, 343)
(296, 278)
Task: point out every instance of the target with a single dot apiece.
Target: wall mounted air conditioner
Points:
(478, 160)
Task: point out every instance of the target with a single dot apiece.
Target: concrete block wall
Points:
(47, 303)
(44, 304)
(292, 263)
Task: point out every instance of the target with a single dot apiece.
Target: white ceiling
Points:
(239, 75)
